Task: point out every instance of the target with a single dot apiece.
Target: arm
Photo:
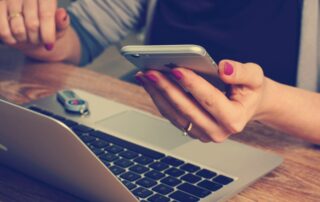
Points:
(292, 110)
(253, 97)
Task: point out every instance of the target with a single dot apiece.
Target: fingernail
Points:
(49, 47)
(65, 18)
(177, 74)
(151, 78)
(139, 79)
(228, 69)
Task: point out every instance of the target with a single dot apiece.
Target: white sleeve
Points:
(108, 21)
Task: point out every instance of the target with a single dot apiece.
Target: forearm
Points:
(66, 49)
(292, 110)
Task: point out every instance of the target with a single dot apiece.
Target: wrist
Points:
(267, 109)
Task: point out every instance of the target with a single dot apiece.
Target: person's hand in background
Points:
(213, 115)
(36, 27)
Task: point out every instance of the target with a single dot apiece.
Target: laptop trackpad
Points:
(145, 128)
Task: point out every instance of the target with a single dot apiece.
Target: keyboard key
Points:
(87, 138)
(183, 197)
(139, 169)
(142, 192)
(131, 146)
(146, 182)
(191, 178)
(114, 149)
(190, 167)
(206, 173)
(59, 118)
(144, 160)
(68, 122)
(124, 163)
(108, 157)
(97, 151)
(172, 161)
(129, 154)
(155, 175)
(210, 185)
(159, 166)
(47, 113)
(37, 109)
(82, 129)
(117, 170)
(158, 198)
(106, 163)
(194, 190)
(163, 189)
(129, 185)
(130, 176)
(99, 143)
(221, 179)
(174, 172)
(171, 181)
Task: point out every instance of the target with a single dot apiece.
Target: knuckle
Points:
(235, 127)
(256, 68)
(189, 85)
(208, 102)
(212, 135)
(33, 25)
(257, 71)
(18, 31)
(218, 138)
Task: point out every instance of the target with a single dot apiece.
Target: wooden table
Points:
(297, 179)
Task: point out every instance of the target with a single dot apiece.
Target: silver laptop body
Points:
(46, 149)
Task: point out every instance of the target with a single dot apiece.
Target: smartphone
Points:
(167, 57)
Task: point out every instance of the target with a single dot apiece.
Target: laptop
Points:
(119, 153)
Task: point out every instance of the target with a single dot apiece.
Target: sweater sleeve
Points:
(100, 23)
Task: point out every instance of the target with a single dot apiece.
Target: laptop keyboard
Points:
(148, 174)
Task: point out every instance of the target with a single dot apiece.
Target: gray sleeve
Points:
(108, 21)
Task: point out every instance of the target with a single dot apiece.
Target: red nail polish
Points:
(228, 69)
(49, 47)
(152, 78)
(139, 79)
(177, 74)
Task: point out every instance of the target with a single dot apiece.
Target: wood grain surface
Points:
(297, 179)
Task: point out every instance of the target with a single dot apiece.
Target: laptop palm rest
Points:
(145, 128)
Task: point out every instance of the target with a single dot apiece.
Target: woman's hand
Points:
(32, 24)
(213, 115)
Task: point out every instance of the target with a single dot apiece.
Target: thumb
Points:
(62, 20)
(236, 73)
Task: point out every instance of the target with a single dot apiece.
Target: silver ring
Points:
(187, 129)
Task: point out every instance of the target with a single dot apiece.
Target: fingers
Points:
(30, 12)
(62, 20)
(168, 111)
(5, 30)
(209, 97)
(185, 106)
(16, 20)
(47, 11)
(249, 74)
(230, 114)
